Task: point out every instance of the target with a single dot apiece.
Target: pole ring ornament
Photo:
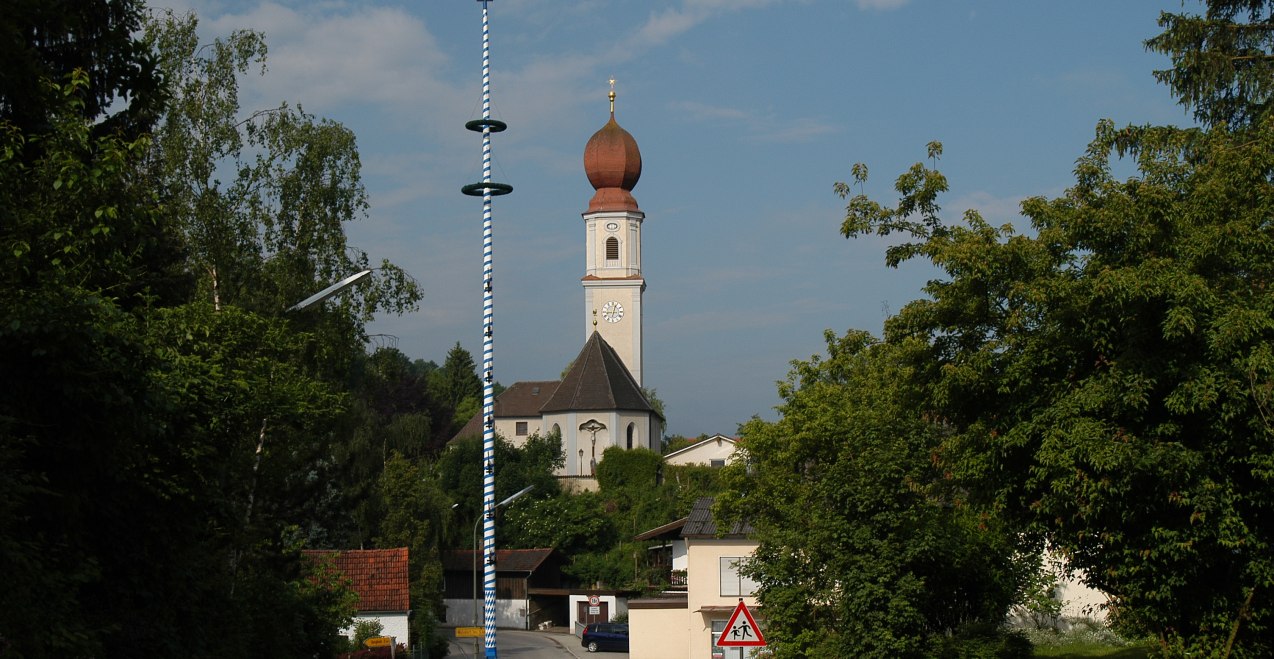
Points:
(477, 189)
(478, 125)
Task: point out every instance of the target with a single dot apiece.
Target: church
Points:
(599, 402)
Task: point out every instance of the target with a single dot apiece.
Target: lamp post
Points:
(256, 461)
(476, 522)
(303, 304)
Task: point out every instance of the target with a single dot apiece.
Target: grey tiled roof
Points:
(598, 380)
(701, 524)
(521, 399)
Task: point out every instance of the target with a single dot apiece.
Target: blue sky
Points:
(746, 113)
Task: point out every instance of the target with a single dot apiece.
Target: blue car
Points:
(605, 636)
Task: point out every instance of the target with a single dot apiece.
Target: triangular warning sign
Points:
(741, 631)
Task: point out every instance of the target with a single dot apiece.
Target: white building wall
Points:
(509, 614)
(392, 624)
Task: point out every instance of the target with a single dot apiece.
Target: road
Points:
(530, 645)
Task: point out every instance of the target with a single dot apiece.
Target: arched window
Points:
(612, 249)
(631, 431)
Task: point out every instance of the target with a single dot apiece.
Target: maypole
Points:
(487, 189)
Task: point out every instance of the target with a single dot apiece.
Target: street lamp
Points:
(303, 304)
(330, 290)
(476, 522)
(256, 463)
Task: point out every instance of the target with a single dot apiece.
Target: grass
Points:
(1090, 650)
(1085, 639)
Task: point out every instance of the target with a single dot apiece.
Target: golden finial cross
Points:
(612, 95)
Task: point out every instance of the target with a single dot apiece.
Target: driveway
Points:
(529, 645)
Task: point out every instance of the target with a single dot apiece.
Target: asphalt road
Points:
(529, 645)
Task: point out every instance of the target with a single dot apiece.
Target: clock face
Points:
(612, 311)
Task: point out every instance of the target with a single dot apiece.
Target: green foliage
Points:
(459, 471)
(273, 233)
(160, 460)
(47, 41)
(1040, 603)
(627, 470)
(1107, 381)
(417, 516)
(458, 387)
(574, 524)
(365, 629)
(1221, 61)
(893, 562)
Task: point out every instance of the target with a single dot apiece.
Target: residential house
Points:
(528, 588)
(380, 578)
(684, 623)
(714, 451)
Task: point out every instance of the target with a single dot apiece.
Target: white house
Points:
(380, 579)
(685, 623)
(714, 451)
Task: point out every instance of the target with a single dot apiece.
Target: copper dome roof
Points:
(613, 164)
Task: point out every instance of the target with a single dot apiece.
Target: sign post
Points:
(741, 631)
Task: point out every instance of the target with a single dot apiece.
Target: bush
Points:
(985, 641)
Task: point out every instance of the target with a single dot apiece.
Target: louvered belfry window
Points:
(612, 249)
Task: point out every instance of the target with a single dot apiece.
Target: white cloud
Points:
(758, 127)
(881, 5)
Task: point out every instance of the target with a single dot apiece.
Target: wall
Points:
(670, 642)
(615, 605)
(509, 614)
(703, 590)
(392, 624)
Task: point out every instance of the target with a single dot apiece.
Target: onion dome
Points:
(613, 164)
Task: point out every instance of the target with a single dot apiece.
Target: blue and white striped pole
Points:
(487, 189)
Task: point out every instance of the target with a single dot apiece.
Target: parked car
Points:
(605, 636)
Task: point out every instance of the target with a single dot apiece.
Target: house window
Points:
(734, 584)
(612, 249)
(520, 430)
(718, 628)
(718, 463)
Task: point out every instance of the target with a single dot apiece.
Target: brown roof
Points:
(506, 560)
(379, 576)
(701, 523)
(668, 531)
(598, 380)
(522, 399)
(612, 162)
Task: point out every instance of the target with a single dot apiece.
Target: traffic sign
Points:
(470, 632)
(594, 600)
(378, 642)
(741, 631)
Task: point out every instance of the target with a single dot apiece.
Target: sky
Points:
(746, 113)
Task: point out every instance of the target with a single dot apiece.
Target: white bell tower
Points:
(613, 283)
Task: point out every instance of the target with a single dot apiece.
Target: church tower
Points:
(613, 283)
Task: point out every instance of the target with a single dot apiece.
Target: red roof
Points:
(379, 576)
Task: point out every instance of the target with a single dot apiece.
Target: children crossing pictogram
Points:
(741, 630)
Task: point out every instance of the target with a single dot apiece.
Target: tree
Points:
(1108, 380)
(272, 234)
(85, 459)
(894, 563)
(1222, 67)
(417, 514)
(458, 387)
(45, 42)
